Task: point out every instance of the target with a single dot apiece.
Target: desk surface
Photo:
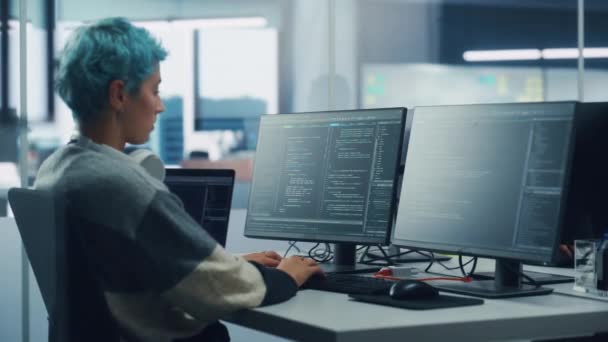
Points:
(322, 316)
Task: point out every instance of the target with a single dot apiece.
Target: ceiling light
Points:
(501, 55)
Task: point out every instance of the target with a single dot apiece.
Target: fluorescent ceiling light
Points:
(532, 54)
(572, 53)
(208, 23)
(560, 53)
(501, 55)
(246, 22)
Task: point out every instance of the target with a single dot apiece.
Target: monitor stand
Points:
(507, 283)
(345, 256)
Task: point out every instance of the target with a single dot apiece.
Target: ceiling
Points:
(564, 4)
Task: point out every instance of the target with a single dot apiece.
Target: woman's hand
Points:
(266, 258)
(300, 268)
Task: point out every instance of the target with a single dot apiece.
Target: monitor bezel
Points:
(501, 253)
(193, 172)
(331, 239)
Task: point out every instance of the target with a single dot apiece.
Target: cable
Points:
(467, 275)
(462, 279)
(461, 265)
(292, 244)
(431, 256)
(310, 251)
(455, 267)
(321, 255)
(530, 280)
(385, 259)
(374, 256)
(363, 254)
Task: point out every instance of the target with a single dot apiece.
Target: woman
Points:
(162, 276)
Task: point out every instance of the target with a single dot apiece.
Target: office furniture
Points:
(320, 316)
(323, 316)
(74, 302)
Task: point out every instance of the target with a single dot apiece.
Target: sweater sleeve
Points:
(279, 285)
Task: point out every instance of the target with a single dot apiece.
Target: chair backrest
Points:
(40, 222)
(73, 299)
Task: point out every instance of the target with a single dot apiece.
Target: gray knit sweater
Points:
(163, 276)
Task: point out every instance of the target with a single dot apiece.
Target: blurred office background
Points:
(233, 60)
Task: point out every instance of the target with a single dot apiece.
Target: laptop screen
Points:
(206, 195)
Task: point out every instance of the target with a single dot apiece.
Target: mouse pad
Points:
(439, 302)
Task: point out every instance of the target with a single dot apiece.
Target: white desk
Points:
(322, 316)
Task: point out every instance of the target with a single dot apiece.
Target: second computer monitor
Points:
(487, 180)
(326, 177)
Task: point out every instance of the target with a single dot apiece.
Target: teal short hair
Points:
(110, 49)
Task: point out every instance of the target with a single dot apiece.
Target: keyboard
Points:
(349, 284)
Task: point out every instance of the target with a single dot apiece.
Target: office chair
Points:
(77, 310)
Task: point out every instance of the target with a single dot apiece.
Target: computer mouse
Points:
(412, 289)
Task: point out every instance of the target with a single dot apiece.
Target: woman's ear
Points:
(116, 95)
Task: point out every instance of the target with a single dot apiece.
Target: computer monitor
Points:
(490, 181)
(206, 195)
(400, 255)
(327, 177)
(586, 214)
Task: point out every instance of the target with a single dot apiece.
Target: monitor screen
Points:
(487, 180)
(206, 195)
(327, 176)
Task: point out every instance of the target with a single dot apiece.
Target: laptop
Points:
(207, 195)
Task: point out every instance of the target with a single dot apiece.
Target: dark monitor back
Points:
(404, 147)
(206, 195)
(586, 213)
(326, 176)
(487, 180)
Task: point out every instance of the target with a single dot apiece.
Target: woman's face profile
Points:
(141, 109)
